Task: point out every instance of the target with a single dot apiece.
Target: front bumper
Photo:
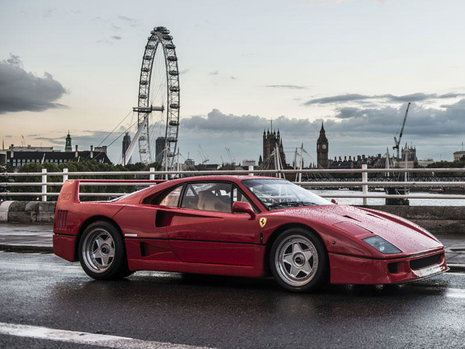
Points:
(347, 269)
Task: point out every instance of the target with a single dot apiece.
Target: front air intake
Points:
(425, 262)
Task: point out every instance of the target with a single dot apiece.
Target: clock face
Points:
(323, 146)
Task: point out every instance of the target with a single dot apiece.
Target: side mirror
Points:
(334, 201)
(243, 207)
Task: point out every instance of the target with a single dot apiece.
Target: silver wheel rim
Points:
(296, 260)
(98, 250)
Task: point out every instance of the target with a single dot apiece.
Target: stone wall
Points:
(436, 219)
(27, 212)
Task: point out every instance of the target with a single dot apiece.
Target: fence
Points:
(364, 184)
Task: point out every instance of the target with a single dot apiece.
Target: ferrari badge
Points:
(262, 222)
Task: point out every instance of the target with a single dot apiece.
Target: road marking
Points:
(455, 293)
(87, 338)
(31, 266)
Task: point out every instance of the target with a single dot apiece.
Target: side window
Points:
(237, 195)
(190, 199)
(170, 199)
(208, 196)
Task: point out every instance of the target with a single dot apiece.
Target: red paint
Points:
(198, 241)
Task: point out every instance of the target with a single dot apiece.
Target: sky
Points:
(352, 64)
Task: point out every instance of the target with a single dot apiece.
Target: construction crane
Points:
(229, 154)
(397, 141)
(203, 155)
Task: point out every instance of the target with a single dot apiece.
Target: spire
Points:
(322, 138)
(68, 146)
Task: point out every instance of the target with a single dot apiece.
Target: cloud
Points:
(291, 87)
(216, 72)
(23, 91)
(132, 21)
(337, 99)
(352, 131)
(116, 37)
(14, 60)
(354, 97)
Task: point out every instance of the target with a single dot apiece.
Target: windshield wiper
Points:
(290, 204)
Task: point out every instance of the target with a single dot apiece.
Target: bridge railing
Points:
(11, 180)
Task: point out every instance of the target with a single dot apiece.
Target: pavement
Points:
(26, 238)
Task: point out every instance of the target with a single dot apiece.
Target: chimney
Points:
(76, 154)
(91, 151)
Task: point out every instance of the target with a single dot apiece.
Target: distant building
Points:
(458, 155)
(247, 163)
(68, 146)
(272, 144)
(357, 161)
(322, 149)
(126, 144)
(17, 156)
(425, 162)
(409, 156)
(159, 149)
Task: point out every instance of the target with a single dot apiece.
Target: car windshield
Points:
(277, 193)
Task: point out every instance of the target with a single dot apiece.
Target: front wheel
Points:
(101, 252)
(298, 260)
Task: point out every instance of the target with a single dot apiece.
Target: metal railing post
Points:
(44, 184)
(250, 169)
(65, 175)
(152, 173)
(364, 186)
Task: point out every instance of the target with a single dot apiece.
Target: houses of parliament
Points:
(273, 149)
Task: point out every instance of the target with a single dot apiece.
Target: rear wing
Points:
(70, 190)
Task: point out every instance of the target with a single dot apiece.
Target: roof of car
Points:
(169, 183)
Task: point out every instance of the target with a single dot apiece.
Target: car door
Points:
(204, 230)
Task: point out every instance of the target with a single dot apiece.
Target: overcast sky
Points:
(354, 64)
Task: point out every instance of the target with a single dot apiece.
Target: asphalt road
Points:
(167, 310)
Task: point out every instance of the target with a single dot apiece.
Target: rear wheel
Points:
(298, 260)
(101, 252)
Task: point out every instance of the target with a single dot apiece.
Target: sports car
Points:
(244, 226)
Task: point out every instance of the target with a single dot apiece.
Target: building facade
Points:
(322, 149)
(458, 155)
(20, 156)
(272, 145)
(159, 148)
(126, 144)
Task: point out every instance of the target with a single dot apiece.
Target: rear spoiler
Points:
(70, 189)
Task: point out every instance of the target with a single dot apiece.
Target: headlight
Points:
(381, 245)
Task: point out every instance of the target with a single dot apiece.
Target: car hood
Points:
(405, 235)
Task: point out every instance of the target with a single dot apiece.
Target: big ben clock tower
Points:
(322, 149)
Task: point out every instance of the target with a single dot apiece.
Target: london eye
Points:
(158, 100)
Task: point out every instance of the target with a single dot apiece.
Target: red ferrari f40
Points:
(243, 226)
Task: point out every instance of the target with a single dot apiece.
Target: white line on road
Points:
(455, 293)
(87, 338)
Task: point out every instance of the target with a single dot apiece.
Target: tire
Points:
(101, 252)
(298, 261)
